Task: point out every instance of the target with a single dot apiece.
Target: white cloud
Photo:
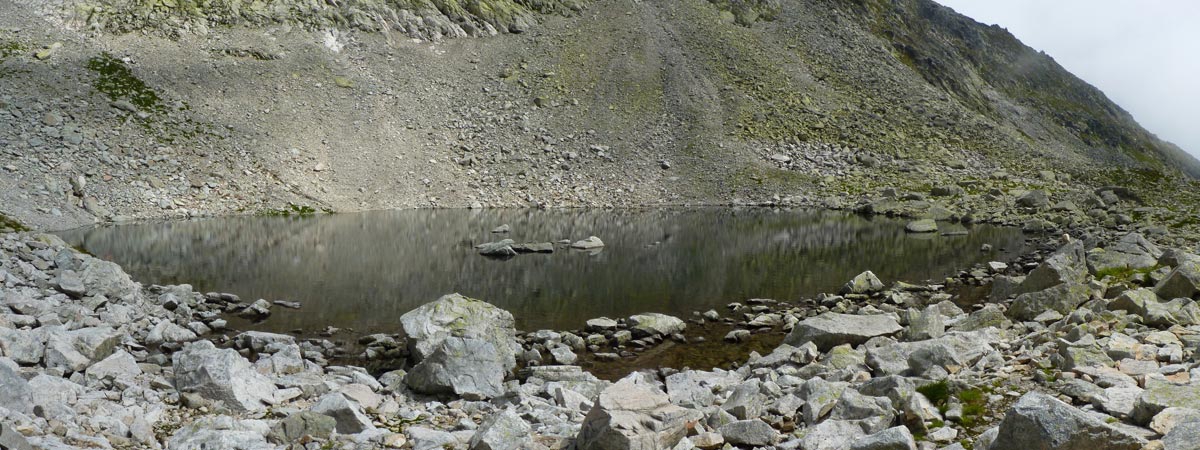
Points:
(1144, 54)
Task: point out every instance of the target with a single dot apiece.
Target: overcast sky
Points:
(1144, 54)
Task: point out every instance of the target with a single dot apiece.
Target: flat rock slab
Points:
(832, 329)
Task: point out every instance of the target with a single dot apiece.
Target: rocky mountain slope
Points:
(119, 109)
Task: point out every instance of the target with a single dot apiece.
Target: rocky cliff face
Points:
(169, 108)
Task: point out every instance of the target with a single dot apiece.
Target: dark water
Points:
(363, 271)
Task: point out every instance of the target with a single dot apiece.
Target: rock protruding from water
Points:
(1039, 421)
(921, 226)
(655, 324)
(631, 415)
(222, 375)
(830, 329)
(863, 283)
(590, 243)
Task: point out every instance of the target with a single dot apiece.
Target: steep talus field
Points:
(135, 108)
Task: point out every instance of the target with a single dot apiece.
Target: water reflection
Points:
(363, 271)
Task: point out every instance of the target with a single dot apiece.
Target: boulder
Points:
(258, 341)
(863, 283)
(118, 366)
(1132, 251)
(590, 243)
(1185, 436)
(300, 424)
(466, 367)
(746, 401)
(221, 375)
(1181, 282)
(346, 413)
(10, 439)
(15, 393)
(1034, 199)
(830, 329)
(455, 315)
(1062, 298)
(75, 350)
(107, 279)
(895, 438)
(655, 324)
(921, 226)
(630, 415)
(962, 349)
(1160, 394)
(1066, 265)
(830, 435)
(23, 346)
(504, 430)
(754, 433)
(220, 433)
(1039, 421)
(501, 249)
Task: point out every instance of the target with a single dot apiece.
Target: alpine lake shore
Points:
(1087, 341)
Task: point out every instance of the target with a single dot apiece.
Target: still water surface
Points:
(363, 271)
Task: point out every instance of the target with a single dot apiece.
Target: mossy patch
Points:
(294, 210)
(9, 225)
(116, 81)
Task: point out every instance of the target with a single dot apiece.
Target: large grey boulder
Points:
(630, 415)
(1041, 422)
(963, 349)
(220, 433)
(830, 435)
(895, 438)
(1062, 298)
(1185, 436)
(75, 350)
(1132, 251)
(1034, 199)
(1181, 282)
(830, 329)
(746, 401)
(1066, 265)
(754, 433)
(504, 430)
(348, 414)
(221, 375)
(655, 324)
(864, 283)
(107, 279)
(1160, 394)
(23, 346)
(304, 423)
(458, 316)
(15, 393)
(466, 367)
(10, 439)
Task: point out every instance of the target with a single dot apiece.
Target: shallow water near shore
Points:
(363, 271)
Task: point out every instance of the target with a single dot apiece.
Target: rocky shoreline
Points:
(1091, 343)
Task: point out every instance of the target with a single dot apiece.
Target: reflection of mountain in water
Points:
(364, 270)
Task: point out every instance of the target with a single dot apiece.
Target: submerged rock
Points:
(921, 226)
